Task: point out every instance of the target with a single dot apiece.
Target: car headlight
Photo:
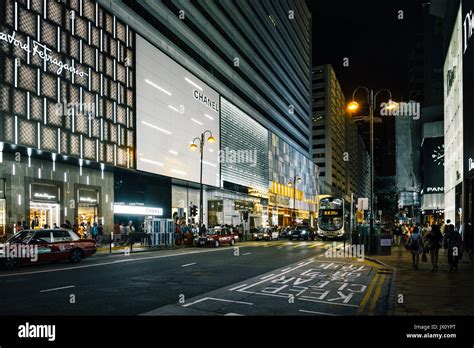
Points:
(265, 234)
(304, 232)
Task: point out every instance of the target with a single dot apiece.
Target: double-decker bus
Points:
(331, 217)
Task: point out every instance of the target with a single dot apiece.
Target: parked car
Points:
(301, 232)
(218, 236)
(46, 245)
(266, 233)
(284, 232)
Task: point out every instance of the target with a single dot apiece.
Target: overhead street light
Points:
(353, 106)
(193, 146)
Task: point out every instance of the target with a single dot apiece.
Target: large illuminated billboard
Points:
(173, 108)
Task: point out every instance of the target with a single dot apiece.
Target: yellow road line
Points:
(315, 245)
(378, 291)
(299, 245)
(367, 295)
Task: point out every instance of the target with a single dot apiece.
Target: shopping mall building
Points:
(458, 112)
(100, 101)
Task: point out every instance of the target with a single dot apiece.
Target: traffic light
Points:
(193, 210)
(246, 215)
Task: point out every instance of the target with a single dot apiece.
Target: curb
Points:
(392, 288)
(121, 252)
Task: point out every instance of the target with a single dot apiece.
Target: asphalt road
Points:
(256, 278)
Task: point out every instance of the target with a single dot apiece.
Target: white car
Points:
(266, 233)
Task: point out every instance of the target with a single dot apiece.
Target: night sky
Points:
(370, 34)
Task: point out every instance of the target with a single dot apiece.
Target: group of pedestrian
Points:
(421, 240)
(186, 233)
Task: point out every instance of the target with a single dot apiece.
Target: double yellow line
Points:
(369, 301)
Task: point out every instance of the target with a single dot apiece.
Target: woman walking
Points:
(415, 245)
(434, 240)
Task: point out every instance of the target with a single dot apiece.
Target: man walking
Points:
(452, 243)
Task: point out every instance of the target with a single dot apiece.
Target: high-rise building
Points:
(338, 150)
(458, 110)
(101, 100)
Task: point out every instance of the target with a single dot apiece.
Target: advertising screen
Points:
(433, 165)
(173, 108)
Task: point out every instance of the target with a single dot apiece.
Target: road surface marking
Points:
(378, 291)
(238, 287)
(366, 298)
(189, 264)
(246, 254)
(267, 276)
(61, 288)
(305, 298)
(315, 245)
(115, 262)
(216, 299)
(312, 312)
(303, 244)
(233, 315)
(278, 275)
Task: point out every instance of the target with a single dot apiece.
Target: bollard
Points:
(110, 242)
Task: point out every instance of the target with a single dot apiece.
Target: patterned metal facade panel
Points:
(63, 62)
(244, 148)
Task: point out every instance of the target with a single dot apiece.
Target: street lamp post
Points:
(193, 147)
(294, 181)
(353, 105)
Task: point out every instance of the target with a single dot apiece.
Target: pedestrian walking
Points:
(469, 238)
(452, 244)
(415, 245)
(100, 234)
(434, 240)
(130, 230)
(94, 231)
(397, 234)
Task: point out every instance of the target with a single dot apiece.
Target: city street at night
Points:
(236, 172)
(265, 278)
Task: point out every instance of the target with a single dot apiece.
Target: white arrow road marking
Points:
(54, 289)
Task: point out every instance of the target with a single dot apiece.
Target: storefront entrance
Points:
(88, 206)
(42, 214)
(44, 204)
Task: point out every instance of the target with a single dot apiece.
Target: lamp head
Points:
(193, 146)
(391, 105)
(353, 105)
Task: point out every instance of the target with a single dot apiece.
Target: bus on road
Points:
(331, 218)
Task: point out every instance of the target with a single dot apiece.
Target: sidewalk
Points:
(431, 293)
(104, 249)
